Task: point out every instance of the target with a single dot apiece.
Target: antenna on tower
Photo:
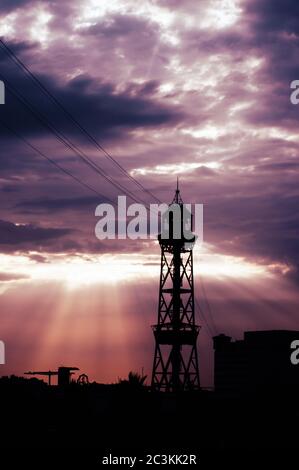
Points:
(177, 197)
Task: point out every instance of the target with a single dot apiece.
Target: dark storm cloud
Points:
(264, 227)
(62, 204)
(96, 103)
(274, 109)
(120, 26)
(17, 160)
(15, 237)
(282, 166)
(274, 15)
(127, 37)
(7, 6)
(47, 241)
(38, 258)
(8, 188)
(275, 27)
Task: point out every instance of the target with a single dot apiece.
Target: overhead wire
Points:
(53, 162)
(208, 309)
(67, 142)
(205, 320)
(50, 95)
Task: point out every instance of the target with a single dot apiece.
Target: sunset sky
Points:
(198, 89)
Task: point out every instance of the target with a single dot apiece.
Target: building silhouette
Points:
(259, 362)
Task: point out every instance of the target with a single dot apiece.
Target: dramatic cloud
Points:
(10, 5)
(97, 104)
(199, 90)
(56, 205)
(6, 277)
(219, 88)
(15, 237)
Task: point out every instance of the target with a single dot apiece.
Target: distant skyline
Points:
(195, 89)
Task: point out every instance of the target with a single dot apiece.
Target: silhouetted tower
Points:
(175, 365)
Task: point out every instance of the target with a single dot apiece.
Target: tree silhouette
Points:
(134, 381)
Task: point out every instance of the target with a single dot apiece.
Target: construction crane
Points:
(64, 375)
(48, 373)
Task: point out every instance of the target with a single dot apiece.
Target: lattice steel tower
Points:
(175, 365)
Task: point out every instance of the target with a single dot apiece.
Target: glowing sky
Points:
(196, 89)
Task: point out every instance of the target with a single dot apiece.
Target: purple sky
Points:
(195, 89)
